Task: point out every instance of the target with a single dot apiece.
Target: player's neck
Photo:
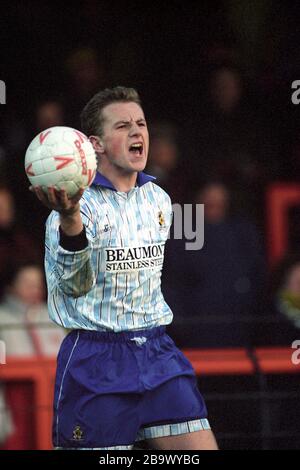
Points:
(122, 181)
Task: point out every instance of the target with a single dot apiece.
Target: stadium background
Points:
(173, 54)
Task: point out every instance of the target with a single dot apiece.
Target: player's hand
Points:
(58, 200)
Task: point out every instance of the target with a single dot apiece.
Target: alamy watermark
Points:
(296, 354)
(296, 94)
(188, 223)
(2, 92)
(2, 352)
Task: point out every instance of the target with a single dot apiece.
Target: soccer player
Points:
(120, 378)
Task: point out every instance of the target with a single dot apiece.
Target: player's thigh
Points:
(198, 440)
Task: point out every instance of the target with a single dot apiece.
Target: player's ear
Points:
(97, 143)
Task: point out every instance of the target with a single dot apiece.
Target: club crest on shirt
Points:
(77, 433)
(161, 219)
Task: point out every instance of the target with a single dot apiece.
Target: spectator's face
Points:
(293, 280)
(49, 115)
(124, 125)
(28, 286)
(215, 200)
(86, 74)
(226, 89)
(163, 153)
(7, 210)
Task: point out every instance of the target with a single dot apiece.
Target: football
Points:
(61, 157)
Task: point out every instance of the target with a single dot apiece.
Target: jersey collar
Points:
(101, 180)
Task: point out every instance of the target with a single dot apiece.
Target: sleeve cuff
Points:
(73, 243)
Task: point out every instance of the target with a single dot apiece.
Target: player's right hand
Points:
(58, 200)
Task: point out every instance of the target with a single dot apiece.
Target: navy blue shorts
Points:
(113, 389)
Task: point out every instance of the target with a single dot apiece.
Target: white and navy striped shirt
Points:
(114, 283)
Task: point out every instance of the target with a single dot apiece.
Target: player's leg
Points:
(173, 413)
(175, 417)
(92, 409)
(198, 440)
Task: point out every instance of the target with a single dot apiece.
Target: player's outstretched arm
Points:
(73, 273)
(68, 207)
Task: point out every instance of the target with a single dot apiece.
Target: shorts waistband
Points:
(120, 337)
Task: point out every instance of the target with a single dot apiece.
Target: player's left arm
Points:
(68, 248)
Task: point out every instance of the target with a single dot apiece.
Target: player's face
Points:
(125, 139)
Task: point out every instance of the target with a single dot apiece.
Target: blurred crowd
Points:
(225, 152)
(223, 148)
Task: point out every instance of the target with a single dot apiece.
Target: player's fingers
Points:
(63, 198)
(77, 196)
(33, 189)
(40, 195)
(52, 196)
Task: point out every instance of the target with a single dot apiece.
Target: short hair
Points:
(91, 115)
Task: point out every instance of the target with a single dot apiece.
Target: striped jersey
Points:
(114, 284)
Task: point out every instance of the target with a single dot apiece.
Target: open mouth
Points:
(136, 148)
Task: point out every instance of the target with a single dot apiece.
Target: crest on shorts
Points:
(77, 433)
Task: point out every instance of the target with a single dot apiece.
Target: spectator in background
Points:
(219, 288)
(284, 303)
(47, 113)
(233, 141)
(3, 174)
(288, 295)
(164, 161)
(24, 323)
(15, 242)
(6, 423)
(27, 332)
(85, 76)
